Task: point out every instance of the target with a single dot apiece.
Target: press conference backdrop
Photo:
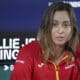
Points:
(19, 23)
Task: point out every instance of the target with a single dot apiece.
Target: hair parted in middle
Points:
(44, 33)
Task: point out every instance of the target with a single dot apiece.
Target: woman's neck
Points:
(58, 54)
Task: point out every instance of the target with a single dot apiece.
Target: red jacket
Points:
(29, 66)
(78, 50)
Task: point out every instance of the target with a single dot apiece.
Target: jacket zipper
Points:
(57, 68)
(57, 71)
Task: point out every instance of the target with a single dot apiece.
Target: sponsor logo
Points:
(69, 66)
(40, 65)
(74, 4)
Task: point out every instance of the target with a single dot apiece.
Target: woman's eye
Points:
(55, 24)
(66, 25)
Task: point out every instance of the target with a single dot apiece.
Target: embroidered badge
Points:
(40, 65)
(69, 66)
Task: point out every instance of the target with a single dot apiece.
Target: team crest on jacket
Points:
(40, 65)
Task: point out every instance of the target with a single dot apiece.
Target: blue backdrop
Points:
(19, 22)
(18, 15)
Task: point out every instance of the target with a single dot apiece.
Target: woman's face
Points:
(61, 31)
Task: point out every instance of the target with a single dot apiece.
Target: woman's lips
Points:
(60, 38)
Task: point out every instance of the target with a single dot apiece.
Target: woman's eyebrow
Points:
(65, 21)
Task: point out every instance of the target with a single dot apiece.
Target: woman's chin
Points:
(60, 43)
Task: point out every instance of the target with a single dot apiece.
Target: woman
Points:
(52, 56)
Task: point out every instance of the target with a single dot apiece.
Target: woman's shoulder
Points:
(32, 47)
(30, 50)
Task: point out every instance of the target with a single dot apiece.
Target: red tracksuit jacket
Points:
(29, 66)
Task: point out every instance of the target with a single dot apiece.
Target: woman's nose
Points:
(60, 29)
